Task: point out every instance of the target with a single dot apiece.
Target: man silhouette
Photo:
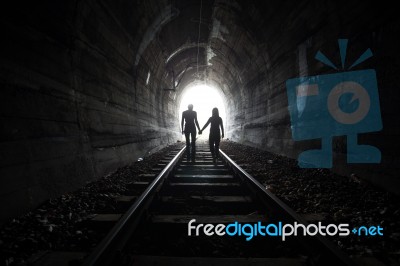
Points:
(190, 117)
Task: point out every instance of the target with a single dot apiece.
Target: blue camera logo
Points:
(344, 103)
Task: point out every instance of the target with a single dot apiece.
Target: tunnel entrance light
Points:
(204, 98)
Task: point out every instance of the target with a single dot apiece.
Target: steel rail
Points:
(264, 195)
(112, 244)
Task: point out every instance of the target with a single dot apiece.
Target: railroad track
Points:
(154, 230)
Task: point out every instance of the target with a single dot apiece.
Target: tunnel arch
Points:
(234, 66)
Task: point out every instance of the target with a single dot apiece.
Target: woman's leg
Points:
(217, 141)
(211, 143)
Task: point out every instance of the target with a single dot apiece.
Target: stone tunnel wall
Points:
(73, 108)
(261, 118)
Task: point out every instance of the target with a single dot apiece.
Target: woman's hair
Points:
(215, 112)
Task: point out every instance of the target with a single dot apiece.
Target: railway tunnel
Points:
(89, 86)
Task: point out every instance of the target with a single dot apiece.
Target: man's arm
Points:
(182, 121)
(195, 120)
(222, 128)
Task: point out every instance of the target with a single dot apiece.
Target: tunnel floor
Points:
(61, 224)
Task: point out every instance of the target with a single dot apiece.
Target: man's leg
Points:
(187, 136)
(193, 144)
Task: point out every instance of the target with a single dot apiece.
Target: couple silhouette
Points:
(189, 118)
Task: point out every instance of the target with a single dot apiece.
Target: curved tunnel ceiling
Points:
(205, 40)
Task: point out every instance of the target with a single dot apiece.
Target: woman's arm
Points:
(206, 125)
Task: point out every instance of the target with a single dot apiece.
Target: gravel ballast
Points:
(336, 198)
(60, 224)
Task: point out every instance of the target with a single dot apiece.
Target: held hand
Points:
(222, 135)
(200, 132)
(183, 132)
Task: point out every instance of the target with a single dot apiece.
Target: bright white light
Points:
(204, 98)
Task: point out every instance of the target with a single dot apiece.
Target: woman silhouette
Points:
(215, 134)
